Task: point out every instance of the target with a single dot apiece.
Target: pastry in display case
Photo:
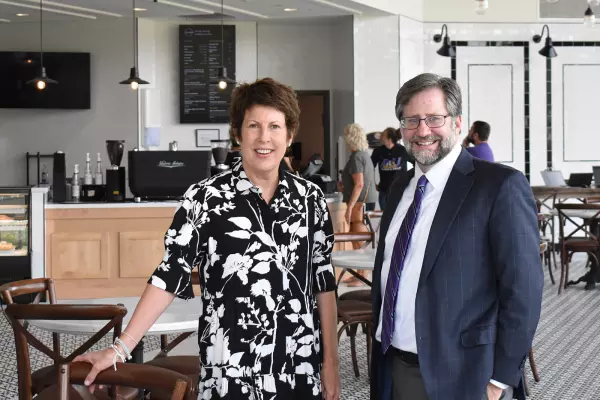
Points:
(15, 234)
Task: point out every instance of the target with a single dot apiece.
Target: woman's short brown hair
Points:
(265, 92)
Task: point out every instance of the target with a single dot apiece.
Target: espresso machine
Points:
(115, 173)
(220, 149)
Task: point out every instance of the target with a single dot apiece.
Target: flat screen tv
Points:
(70, 70)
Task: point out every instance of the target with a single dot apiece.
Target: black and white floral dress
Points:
(259, 331)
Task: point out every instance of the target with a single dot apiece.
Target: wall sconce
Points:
(446, 50)
(548, 50)
(589, 19)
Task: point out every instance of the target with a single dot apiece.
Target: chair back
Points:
(567, 212)
(16, 313)
(138, 376)
(39, 287)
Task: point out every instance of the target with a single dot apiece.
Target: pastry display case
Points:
(15, 234)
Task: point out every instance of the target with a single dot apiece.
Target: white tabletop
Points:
(180, 316)
(354, 259)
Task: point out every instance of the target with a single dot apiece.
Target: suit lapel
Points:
(456, 190)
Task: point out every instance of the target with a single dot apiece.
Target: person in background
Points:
(478, 136)
(391, 158)
(358, 184)
(457, 280)
(261, 239)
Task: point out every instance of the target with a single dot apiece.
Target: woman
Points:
(262, 240)
(391, 158)
(358, 183)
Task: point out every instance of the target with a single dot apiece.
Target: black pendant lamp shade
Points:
(42, 79)
(134, 79)
(446, 50)
(548, 50)
(222, 80)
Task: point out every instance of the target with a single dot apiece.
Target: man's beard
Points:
(430, 157)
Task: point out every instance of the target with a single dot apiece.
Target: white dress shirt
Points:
(404, 337)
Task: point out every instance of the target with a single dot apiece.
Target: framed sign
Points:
(204, 136)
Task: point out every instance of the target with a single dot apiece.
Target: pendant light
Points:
(222, 79)
(134, 80)
(42, 79)
(446, 50)
(548, 50)
(589, 19)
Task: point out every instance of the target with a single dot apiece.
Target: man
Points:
(478, 136)
(457, 283)
(391, 158)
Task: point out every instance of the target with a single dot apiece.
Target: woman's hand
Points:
(100, 361)
(330, 380)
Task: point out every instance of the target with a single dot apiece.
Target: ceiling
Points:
(253, 10)
(565, 9)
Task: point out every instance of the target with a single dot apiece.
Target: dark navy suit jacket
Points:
(479, 296)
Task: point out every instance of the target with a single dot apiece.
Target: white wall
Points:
(376, 71)
(113, 106)
(445, 11)
(159, 59)
(298, 54)
(412, 44)
(574, 101)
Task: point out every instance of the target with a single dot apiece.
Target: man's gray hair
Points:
(426, 81)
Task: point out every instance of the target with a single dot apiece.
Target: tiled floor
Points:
(567, 348)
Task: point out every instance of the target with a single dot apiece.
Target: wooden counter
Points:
(110, 250)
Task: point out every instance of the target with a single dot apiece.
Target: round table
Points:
(354, 259)
(180, 316)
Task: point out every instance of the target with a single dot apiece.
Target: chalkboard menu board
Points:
(199, 61)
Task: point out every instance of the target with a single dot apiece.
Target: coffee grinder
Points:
(115, 174)
(220, 149)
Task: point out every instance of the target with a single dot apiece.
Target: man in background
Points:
(478, 136)
(390, 158)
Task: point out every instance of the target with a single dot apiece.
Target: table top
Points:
(565, 192)
(180, 316)
(354, 259)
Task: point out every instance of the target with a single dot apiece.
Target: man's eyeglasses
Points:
(432, 121)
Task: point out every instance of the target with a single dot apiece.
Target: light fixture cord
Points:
(41, 36)
(134, 38)
(222, 41)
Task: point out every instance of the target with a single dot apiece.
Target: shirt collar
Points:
(439, 173)
(243, 185)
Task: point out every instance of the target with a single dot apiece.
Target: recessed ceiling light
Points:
(4, 20)
(139, 9)
(22, 15)
(290, 9)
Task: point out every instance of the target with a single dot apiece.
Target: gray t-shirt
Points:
(360, 161)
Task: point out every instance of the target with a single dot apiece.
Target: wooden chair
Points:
(545, 255)
(38, 289)
(139, 376)
(588, 243)
(354, 307)
(52, 375)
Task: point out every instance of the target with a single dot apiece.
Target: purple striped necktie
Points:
(397, 264)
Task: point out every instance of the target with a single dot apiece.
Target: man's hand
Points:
(493, 392)
(330, 380)
(466, 142)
